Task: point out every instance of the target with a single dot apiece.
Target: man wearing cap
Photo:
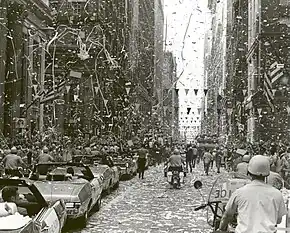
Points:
(11, 163)
(260, 207)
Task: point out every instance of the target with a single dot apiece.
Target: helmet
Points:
(13, 150)
(45, 149)
(259, 165)
(246, 158)
(176, 152)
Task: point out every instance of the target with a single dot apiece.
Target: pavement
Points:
(150, 205)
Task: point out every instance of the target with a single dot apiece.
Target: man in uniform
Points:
(260, 207)
(11, 163)
(242, 168)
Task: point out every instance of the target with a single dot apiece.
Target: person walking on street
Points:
(194, 156)
(189, 157)
(218, 159)
(260, 207)
(212, 158)
(207, 157)
(142, 157)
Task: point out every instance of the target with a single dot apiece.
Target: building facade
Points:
(107, 77)
(255, 87)
(214, 114)
(267, 57)
(170, 98)
(22, 63)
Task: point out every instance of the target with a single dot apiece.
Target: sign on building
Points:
(20, 123)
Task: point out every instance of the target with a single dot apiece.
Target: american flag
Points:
(271, 76)
(268, 91)
(276, 72)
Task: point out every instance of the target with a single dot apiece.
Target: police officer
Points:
(242, 168)
(260, 207)
(11, 163)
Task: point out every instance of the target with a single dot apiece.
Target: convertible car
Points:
(110, 174)
(127, 167)
(72, 182)
(31, 213)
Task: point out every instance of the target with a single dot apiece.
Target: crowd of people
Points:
(266, 164)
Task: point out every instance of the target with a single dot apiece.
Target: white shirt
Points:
(259, 206)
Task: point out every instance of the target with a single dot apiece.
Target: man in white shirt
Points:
(260, 207)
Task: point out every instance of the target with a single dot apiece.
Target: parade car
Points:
(110, 174)
(72, 182)
(127, 167)
(42, 216)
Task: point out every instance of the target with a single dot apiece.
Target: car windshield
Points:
(18, 200)
(61, 169)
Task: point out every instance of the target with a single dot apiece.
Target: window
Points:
(284, 2)
(78, 7)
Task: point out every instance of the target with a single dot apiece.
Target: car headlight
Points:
(69, 205)
(73, 205)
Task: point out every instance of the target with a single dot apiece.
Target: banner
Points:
(165, 110)
(35, 89)
(137, 106)
(105, 102)
(244, 92)
(96, 89)
(229, 111)
(67, 89)
(128, 90)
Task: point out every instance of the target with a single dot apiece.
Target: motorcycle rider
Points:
(260, 207)
(175, 161)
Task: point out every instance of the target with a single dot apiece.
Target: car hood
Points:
(99, 169)
(53, 191)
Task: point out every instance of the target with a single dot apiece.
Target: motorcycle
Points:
(175, 178)
(220, 192)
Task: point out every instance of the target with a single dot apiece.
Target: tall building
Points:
(255, 87)
(22, 66)
(158, 50)
(170, 102)
(213, 111)
(268, 55)
(110, 87)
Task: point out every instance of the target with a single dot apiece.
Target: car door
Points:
(47, 221)
(96, 189)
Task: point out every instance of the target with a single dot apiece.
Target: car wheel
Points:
(98, 204)
(83, 219)
(108, 191)
(117, 185)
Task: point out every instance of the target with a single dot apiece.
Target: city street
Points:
(150, 205)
